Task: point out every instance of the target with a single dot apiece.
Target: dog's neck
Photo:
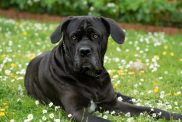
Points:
(58, 57)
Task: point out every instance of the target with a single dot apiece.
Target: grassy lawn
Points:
(158, 85)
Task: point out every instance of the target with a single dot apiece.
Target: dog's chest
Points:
(92, 106)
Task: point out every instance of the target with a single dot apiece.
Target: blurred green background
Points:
(153, 12)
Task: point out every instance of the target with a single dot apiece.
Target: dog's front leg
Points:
(83, 116)
(76, 105)
(123, 107)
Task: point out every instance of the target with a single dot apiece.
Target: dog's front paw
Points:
(125, 98)
(176, 116)
(165, 115)
(98, 119)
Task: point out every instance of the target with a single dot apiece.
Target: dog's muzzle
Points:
(85, 51)
(86, 61)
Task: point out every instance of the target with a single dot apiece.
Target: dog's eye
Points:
(74, 37)
(95, 36)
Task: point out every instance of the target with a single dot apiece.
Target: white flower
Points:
(138, 104)
(10, 43)
(127, 50)
(116, 59)
(146, 49)
(130, 42)
(128, 114)
(149, 105)
(142, 79)
(176, 103)
(169, 107)
(69, 115)
(37, 102)
(30, 117)
(113, 112)
(110, 5)
(92, 8)
(162, 94)
(136, 85)
(44, 111)
(137, 48)
(147, 60)
(149, 91)
(141, 51)
(118, 49)
(12, 120)
(135, 91)
(56, 108)
(141, 114)
(57, 120)
(9, 59)
(106, 112)
(160, 78)
(160, 113)
(179, 92)
(165, 72)
(154, 115)
(44, 118)
(134, 100)
(51, 115)
(118, 82)
(7, 72)
(20, 78)
(50, 104)
(18, 100)
(120, 99)
(20, 89)
(142, 93)
(136, 55)
(123, 61)
(115, 76)
(26, 120)
(105, 117)
(130, 119)
(161, 105)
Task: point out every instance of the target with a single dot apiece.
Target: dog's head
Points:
(85, 40)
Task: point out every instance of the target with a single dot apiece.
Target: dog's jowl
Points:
(73, 76)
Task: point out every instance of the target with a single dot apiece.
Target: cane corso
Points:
(73, 76)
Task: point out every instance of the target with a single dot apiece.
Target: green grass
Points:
(22, 40)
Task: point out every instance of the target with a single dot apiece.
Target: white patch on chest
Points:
(91, 108)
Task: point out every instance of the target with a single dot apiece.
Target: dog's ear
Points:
(116, 32)
(57, 34)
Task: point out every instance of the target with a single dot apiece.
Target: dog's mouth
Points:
(93, 74)
(89, 70)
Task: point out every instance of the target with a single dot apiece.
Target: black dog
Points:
(73, 76)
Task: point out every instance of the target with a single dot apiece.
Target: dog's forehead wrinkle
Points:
(85, 22)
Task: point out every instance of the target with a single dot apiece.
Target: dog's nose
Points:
(85, 51)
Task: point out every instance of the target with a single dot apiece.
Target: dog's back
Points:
(31, 78)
